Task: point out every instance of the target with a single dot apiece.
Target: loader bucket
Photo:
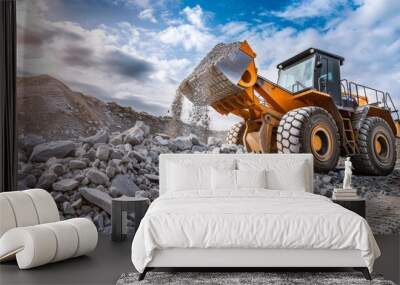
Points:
(219, 74)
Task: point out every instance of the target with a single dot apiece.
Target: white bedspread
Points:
(250, 219)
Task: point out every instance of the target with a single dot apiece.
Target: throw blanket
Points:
(255, 218)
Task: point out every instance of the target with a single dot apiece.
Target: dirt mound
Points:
(48, 108)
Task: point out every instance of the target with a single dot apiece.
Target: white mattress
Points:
(253, 219)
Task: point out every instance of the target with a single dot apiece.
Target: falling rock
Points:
(97, 197)
(58, 149)
(103, 152)
(124, 184)
(77, 164)
(100, 137)
(65, 185)
(97, 177)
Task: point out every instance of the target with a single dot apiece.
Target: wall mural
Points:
(97, 96)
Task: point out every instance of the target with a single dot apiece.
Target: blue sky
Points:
(136, 52)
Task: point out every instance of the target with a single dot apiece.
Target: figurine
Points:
(347, 174)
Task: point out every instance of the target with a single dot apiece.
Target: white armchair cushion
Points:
(37, 245)
(7, 219)
(31, 232)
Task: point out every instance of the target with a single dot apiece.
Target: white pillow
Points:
(187, 175)
(291, 179)
(251, 178)
(287, 173)
(223, 179)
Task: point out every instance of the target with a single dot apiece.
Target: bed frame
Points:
(242, 259)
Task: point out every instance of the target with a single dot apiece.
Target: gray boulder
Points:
(77, 164)
(97, 177)
(30, 181)
(124, 185)
(152, 177)
(57, 168)
(136, 155)
(183, 143)
(46, 180)
(136, 135)
(28, 142)
(117, 140)
(58, 149)
(214, 141)
(110, 171)
(100, 137)
(103, 152)
(97, 197)
(67, 208)
(65, 185)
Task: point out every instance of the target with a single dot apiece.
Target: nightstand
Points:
(120, 208)
(357, 205)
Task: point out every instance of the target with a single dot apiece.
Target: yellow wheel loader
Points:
(310, 109)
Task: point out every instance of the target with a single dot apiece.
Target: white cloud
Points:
(310, 8)
(187, 36)
(194, 16)
(147, 14)
(234, 28)
(367, 37)
(192, 34)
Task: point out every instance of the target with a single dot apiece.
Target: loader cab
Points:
(312, 69)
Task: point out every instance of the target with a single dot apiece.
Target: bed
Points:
(247, 210)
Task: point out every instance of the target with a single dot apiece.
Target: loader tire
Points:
(235, 134)
(377, 147)
(310, 130)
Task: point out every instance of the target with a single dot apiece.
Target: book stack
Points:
(345, 194)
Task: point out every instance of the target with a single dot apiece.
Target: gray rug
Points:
(243, 278)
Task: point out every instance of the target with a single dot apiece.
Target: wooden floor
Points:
(110, 260)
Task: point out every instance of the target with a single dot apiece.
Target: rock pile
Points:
(85, 174)
(381, 192)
